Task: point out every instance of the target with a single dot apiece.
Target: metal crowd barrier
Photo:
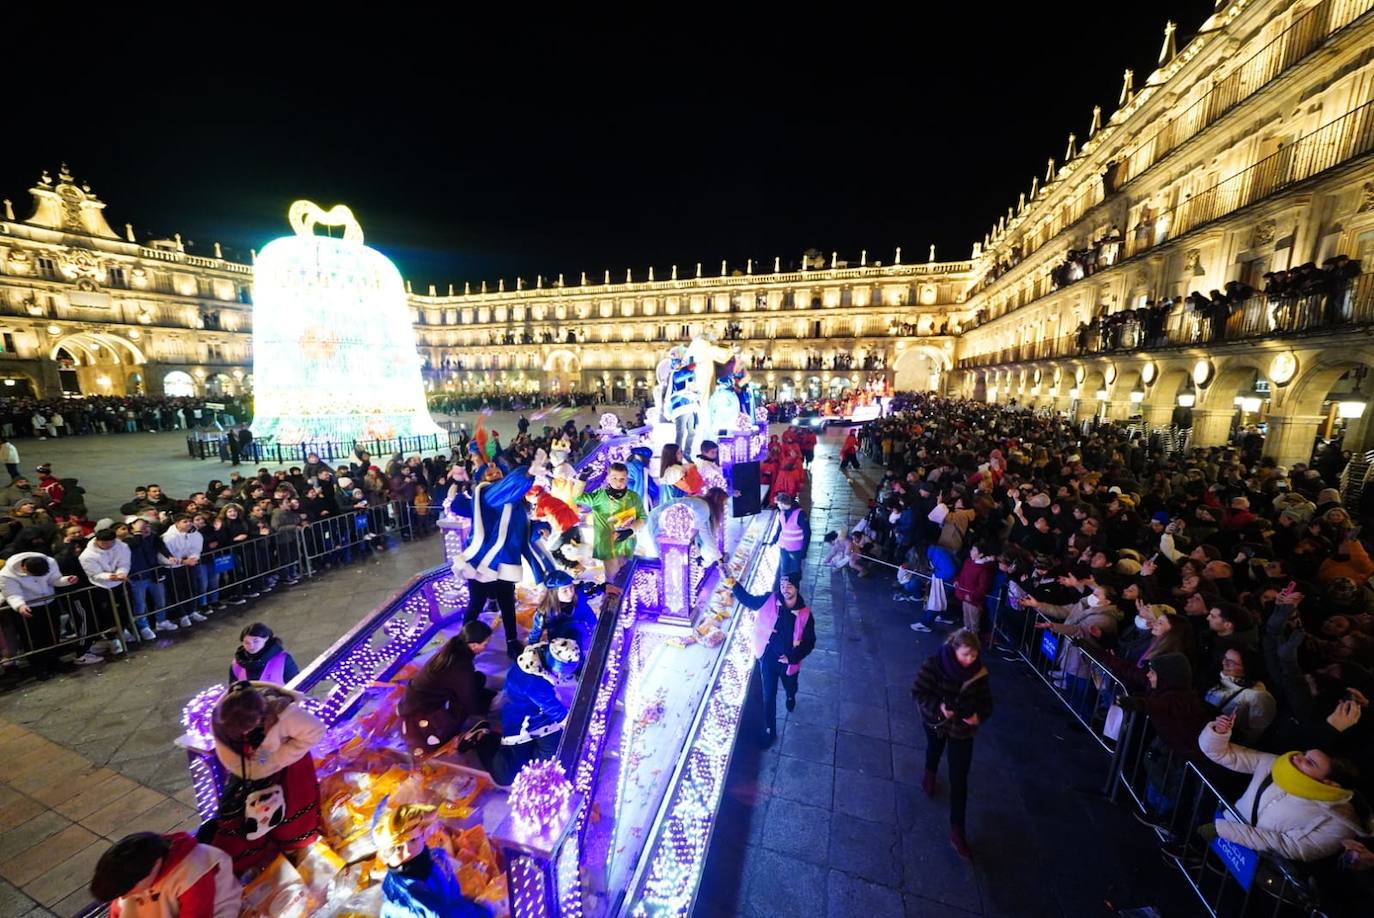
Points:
(1230, 880)
(73, 619)
(201, 445)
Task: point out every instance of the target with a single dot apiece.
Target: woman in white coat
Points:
(270, 804)
(1293, 808)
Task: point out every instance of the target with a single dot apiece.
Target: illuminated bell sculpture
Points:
(334, 355)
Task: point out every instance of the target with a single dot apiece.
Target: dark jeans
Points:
(960, 758)
(789, 562)
(770, 671)
(503, 591)
(849, 462)
(13, 469)
(505, 762)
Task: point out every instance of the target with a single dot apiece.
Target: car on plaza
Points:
(812, 418)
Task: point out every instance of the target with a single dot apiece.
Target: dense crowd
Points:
(1232, 599)
(164, 563)
(70, 417)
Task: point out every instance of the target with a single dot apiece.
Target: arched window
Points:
(177, 384)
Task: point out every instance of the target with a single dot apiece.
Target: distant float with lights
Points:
(333, 348)
(619, 821)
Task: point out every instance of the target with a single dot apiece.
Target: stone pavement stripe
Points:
(24, 836)
(38, 860)
(18, 811)
(48, 856)
(62, 789)
(106, 785)
(122, 811)
(70, 876)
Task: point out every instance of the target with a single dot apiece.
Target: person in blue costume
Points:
(564, 613)
(501, 540)
(641, 482)
(533, 717)
(420, 881)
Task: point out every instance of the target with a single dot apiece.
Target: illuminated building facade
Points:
(1247, 152)
(802, 334)
(84, 309)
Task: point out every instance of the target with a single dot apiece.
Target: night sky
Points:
(474, 152)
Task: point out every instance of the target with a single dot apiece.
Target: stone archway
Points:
(562, 368)
(1302, 411)
(178, 384)
(94, 362)
(919, 369)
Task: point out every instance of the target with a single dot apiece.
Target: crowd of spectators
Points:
(69, 417)
(1232, 599)
(168, 562)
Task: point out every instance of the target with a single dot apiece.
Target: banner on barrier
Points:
(1240, 861)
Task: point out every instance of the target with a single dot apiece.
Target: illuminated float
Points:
(334, 356)
(620, 821)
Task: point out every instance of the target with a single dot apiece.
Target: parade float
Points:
(618, 823)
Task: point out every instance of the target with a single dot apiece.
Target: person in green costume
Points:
(617, 512)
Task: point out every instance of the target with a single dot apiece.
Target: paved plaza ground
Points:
(830, 821)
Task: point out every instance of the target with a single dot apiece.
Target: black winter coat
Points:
(934, 687)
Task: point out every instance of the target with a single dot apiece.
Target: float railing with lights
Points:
(336, 682)
(646, 748)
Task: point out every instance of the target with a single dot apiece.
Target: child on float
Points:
(261, 657)
(564, 613)
(446, 691)
(532, 716)
(147, 875)
(270, 804)
(421, 881)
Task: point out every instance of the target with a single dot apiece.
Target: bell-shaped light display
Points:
(333, 348)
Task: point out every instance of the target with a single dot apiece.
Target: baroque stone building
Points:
(1247, 152)
(802, 334)
(84, 310)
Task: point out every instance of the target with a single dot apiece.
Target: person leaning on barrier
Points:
(1094, 617)
(1293, 806)
(28, 582)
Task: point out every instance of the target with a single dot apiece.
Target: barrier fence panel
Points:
(1087, 688)
(1231, 880)
(42, 629)
(1179, 792)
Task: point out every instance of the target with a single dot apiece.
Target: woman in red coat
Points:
(849, 452)
(974, 582)
(769, 466)
(790, 477)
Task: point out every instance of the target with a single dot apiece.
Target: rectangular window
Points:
(47, 267)
(117, 278)
(9, 343)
